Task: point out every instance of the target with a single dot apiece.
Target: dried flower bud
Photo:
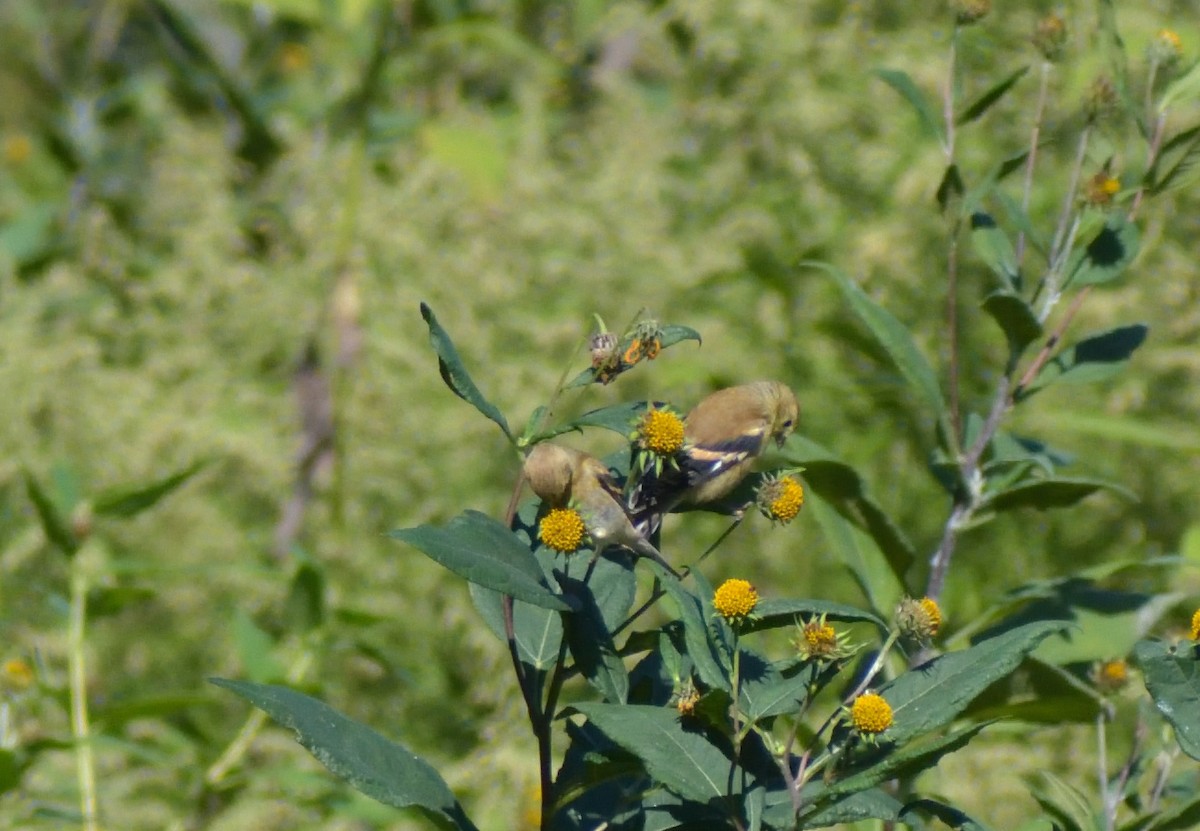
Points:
(1051, 37)
(1102, 100)
(967, 12)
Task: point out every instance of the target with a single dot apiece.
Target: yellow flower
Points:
(1109, 676)
(780, 499)
(660, 432)
(735, 599)
(1196, 626)
(930, 607)
(919, 620)
(870, 713)
(1101, 189)
(16, 674)
(562, 529)
(1167, 48)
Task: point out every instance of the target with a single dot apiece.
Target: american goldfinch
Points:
(723, 435)
(562, 476)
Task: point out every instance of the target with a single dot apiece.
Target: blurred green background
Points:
(217, 220)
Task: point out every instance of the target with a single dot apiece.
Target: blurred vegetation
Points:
(217, 220)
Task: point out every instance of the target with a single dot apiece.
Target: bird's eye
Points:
(787, 425)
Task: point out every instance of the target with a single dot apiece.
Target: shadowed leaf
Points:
(130, 502)
(1172, 676)
(455, 374)
(904, 85)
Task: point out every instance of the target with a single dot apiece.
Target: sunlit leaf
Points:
(1059, 492)
(1106, 255)
(995, 249)
(902, 83)
(479, 549)
(455, 374)
(1172, 676)
(380, 768)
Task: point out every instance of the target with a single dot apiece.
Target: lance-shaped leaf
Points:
(537, 632)
(1106, 255)
(1172, 675)
(376, 766)
(455, 374)
(1060, 492)
(699, 636)
(840, 485)
(929, 696)
(908, 760)
(129, 502)
(619, 418)
(479, 549)
(874, 803)
(1177, 164)
(990, 97)
(1016, 320)
(1095, 358)
(903, 84)
(1068, 806)
(681, 758)
(53, 525)
(776, 612)
(603, 600)
(671, 334)
(874, 573)
(1185, 88)
(995, 249)
(771, 693)
(892, 335)
(948, 815)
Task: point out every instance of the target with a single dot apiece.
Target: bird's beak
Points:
(780, 441)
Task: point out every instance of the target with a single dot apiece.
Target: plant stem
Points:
(952, 253)
(85, 763)
(1031, 160)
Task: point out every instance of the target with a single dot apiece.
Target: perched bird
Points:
(723, 435)
(562, 476)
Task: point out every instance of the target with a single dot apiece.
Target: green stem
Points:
(85, 764)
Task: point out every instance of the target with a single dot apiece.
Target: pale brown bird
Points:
(562, 477)
(723, 435)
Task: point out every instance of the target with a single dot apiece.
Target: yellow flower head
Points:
(687, 698)
(660, 431)
(780, 498)
(1101, 189)
(871, 714)
(1196, 625)
(735, 600)
(919, 620)
(562, 529)
(1167, 48)
(16, 674)
(1110, 676)
(1051, 37)
(294, 57)
(818, 641)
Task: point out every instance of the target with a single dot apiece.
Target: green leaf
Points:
(603, 601)
(683, 760)
(538, 632)
(948, 815)
(776, 612)
(130, 502)
(874, 803)
(305, 608)
(895, 340)
(376, 766)
(990, 97)
(1106, 256)
(455, 374)
(1185, 88)
(907, 760)
(871, 569)
(840, 485)
(1066, 804)
(1051, 493)
(995, 249)
(479, 549)
(1016, 320)
(772, 693)
(104, 601)
(1172, 676)
(903, 84)
(698, 634)
(671, 335)
(619, 418)
(1181, 817)
(929, 696)
(1177, 164)
(53, 525)
(1095, 358)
